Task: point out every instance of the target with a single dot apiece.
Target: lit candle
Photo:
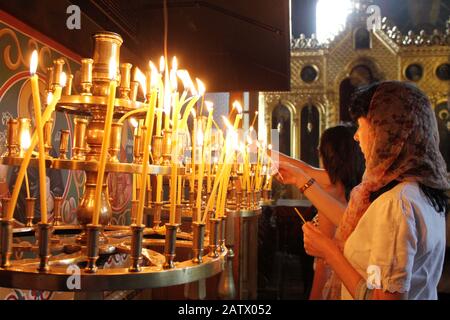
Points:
(162, 65)
(194, 150)
(175, 95)
(134, 123)
(34, 141)
(167, 99)
(148, 122)
(200, 140)
(174, 175)
(39, 128)
(106, 140)
(25, 141)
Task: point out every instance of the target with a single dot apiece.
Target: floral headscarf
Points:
(404, 147)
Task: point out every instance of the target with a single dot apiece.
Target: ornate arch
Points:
(272, 101)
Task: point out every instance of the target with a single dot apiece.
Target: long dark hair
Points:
(342, 157)
(359, 107)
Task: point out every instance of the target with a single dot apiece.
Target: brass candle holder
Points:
(93, 234)
(58, 66)
(198, 238)
(137, 157)
(86, 76)
(157, 149)
(57, 211)
(222, 235)
(167, 147)
(134, 87)
(5, 204)
(24, 134)
(137, 235)
(238, 200)
(214, 234)
(157, 207)
(79, 139)
(48, 128)
(29, 210)
(170, 245)
(143, 133)
(68, 87)
(13, 138)
(116, 139)
(44, 248)
(49, 80)
(6, 228)
(64, 143)
(125, 75)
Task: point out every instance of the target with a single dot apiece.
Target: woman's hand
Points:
(316, 243)
(289, 174)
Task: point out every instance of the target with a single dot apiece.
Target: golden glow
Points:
(200, 138)
(134, 122)
(201, 87)
(34, 62)
(49, 98)
(209, 106)
(112, 69)
(63, 79)
(25, 139)
(154, 75)
(237, 106)
(140, 77)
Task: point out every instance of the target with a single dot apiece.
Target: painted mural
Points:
(17, 41)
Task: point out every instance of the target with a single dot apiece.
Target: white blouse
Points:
(399, 244)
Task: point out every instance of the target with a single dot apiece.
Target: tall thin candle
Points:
(106, 140)
(39, 128)
(34, 140)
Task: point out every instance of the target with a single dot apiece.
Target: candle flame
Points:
(140, 77)
(237, 106)
(201, 87)
(227, 123)
(251, 129)
(173, 80)
(162, 64)
(187, 81)
(134, 122)
(112, 69)
(154, 75)
(209, 106)
(49, 98)
(34, 62)
(269, 147)
(63, 79)
(174, 64)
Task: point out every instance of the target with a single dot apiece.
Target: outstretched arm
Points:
(320, 175)
(326, 204)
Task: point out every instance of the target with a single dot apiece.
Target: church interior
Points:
(139, 140)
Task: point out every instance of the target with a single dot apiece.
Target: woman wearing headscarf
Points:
(390, 243)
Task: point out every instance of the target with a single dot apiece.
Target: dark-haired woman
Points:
(391, 240)
(343, 167)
